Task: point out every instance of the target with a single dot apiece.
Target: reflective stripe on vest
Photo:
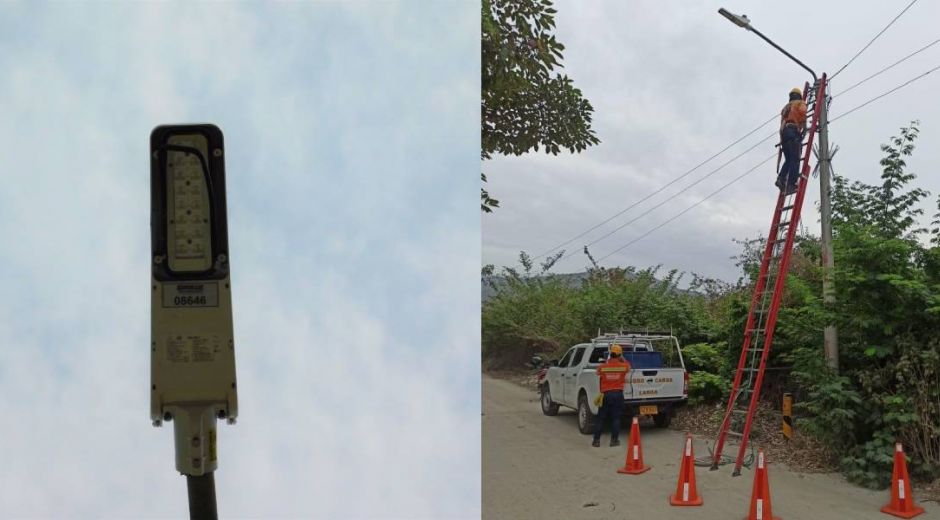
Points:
(613, 369)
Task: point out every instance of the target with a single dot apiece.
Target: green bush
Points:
(871, 463)
(705, 357)
(707, 388)
(535, 311)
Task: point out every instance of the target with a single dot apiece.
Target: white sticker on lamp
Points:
(192, 348)
(190, 294)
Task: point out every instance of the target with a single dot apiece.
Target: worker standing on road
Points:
(612, 374)
(792, 125)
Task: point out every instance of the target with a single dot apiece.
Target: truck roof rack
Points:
(629, 336)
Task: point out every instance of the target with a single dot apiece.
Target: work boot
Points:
(614, 442)
(791, 189)
(596, 443)
(778, 184)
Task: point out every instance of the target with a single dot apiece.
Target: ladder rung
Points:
(787, 223)
(787, 207)
(736, 434)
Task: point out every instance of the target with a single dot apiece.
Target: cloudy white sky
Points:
(674, 82)
(352, 144)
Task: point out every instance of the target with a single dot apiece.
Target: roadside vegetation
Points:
(887, 310)
(526, 102)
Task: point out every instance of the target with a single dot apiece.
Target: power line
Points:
(859, 53)
(876, 98)
(736, 179)
(660, 190)
(674, 195)
(686, 210)
(889, 67)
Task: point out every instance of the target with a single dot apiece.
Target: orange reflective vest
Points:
(613, 373)
(793, 113)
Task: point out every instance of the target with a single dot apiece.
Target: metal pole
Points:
(781, 49)
(830, 337)
(202, 497)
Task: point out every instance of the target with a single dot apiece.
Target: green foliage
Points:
(617, 298)
(886, 310)
(531, 313)
(705, 357)
(487, 203)
(526, 103)
(534, 310)
(829, 403)
(705, 387)
(870, 463)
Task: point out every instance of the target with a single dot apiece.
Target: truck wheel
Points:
(585, 417)
(549, 407)
(662, 420)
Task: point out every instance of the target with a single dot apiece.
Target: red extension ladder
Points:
(768, 290)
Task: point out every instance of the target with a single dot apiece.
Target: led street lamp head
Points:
(740, 21)
(192, 353)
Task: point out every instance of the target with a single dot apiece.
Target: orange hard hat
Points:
(616, 349)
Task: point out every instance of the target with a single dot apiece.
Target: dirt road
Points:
(538, 467)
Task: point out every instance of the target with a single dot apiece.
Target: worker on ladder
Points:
(792, 126)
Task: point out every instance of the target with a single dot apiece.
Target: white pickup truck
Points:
(656, 385)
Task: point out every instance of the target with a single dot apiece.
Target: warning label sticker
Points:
(192, 348)
(212, 455)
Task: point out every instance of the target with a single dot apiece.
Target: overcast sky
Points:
(354, 243)
(674, 82)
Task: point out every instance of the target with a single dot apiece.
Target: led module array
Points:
(190, 247)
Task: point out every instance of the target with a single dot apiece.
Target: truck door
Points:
(556, 377)
(571, 376)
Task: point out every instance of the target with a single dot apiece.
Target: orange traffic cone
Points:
(902, 503)
(760, 496)
(634, 464)
(686, 494)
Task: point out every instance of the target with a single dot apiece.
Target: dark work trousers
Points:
(790, 138)
(611, 407)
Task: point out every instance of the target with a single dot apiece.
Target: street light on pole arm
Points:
(740, 21)
(831, 340)
(744, 21)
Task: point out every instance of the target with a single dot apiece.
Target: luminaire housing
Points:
(740, 21)
(192, 346)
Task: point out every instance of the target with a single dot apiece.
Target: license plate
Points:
(648, 410)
